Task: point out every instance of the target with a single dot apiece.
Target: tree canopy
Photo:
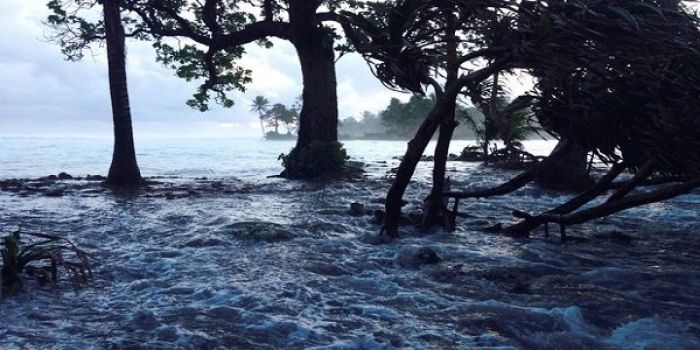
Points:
(616, 77)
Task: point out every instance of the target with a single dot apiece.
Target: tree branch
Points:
(531, 222)
(609, 208)
(640, 176)
(517, 182)
(253, 32)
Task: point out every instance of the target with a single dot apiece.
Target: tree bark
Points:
(570, 172)
(623, 203)
(318, 119)
(124, 170)
(523, 228)
(434, 203)
(641, 175)
(417, 145)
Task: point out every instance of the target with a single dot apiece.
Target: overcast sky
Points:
(41, 93)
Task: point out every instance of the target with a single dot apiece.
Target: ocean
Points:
(216, 255)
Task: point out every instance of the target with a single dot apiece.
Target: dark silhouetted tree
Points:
(217, 31)
(260, 105)
(74, 34)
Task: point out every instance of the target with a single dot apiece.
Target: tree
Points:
(622, 45)
(412, 44)
(623, 86)
(290, 119)
(402, 119)
(219, 29)
(260, 105)
(501, 118)
(280, 114)
(74, 34)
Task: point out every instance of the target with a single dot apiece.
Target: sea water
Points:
(218, 256)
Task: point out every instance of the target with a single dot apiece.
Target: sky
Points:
(42, 94)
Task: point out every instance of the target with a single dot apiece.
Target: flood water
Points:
(219, 256)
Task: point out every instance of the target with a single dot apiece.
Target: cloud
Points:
(41, 93)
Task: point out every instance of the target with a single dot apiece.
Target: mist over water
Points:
(238, 260)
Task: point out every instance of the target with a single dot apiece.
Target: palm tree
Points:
(275, 115)
(260, 105)
(124, 170)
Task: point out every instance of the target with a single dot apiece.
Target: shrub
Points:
(22, 260)
(319, 158)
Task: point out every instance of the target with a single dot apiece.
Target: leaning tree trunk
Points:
(434, 208)
(416, 146)
(570, 172)
(124, 170)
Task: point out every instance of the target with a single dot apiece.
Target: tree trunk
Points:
(434, 204)
(318, 119)
(413, 154)
(262, 126)
(417, 145)
(124, 170)
(570, 172)
(623, 203)
(523, 228)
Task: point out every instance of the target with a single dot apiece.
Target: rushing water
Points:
(238, 260)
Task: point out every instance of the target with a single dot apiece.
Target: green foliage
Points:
(320, 158)
(638, 98)
(221, 76)
(403, 119)
(276, 115)
(71, 30)
(211, 35)
(77, 25)
(21, 260)
(260, 105)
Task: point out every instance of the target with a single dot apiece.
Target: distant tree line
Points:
(275, 115)
(400, 120)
